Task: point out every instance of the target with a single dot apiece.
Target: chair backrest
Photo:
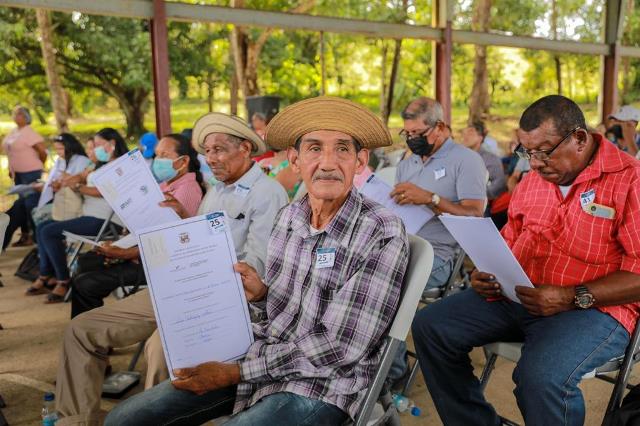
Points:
(387, 175)
(4, 223)
(415, 278)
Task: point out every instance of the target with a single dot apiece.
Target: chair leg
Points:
(487, 370)
(412, 377)
(136, 356)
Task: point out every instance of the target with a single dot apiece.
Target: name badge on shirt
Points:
(242, 190)
(587, 197)
(325, 257)
(598, 210)
(216, 221)
(440, 173)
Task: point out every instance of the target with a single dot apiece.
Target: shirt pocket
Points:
(588, 238)
(332, 278)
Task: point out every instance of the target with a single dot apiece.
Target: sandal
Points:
(57, 298)
(42, 285)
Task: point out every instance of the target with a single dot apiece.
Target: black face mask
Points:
(419, 145)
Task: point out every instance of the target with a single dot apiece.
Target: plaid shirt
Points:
(557, 243)
(323, 333)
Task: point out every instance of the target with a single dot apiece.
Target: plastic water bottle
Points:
(49, 414)
(402, 404)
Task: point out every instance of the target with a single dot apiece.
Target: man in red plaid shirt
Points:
(574, 226)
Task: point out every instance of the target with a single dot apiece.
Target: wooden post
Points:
(442, 56)
(160, 59)
(323, 65)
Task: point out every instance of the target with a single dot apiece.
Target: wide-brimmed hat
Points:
(217, 122)
(326, 113)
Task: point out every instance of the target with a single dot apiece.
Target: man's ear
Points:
(581, 139)
(246, 146)
(362, 160)
(294, 157)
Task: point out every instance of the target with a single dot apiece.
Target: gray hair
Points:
(428, 109)
(25, 112)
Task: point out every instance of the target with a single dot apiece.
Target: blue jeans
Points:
(165, 405)
(439, 276)
(51, 250)
(558, 350)
(20, 211)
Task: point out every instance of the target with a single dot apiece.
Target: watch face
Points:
(584, 301)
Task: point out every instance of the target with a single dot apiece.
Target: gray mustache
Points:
(327, 176)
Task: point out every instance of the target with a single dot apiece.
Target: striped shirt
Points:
(558, 243)
(186, 190)
(322, 336)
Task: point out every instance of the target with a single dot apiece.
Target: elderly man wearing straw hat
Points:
(251, 200)
(335, 264)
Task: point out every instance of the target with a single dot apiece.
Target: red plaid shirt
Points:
(557, 243)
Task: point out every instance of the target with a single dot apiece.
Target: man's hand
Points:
(546, 300)
(408, 193)
(174, 204)
(56, 185)
(207, 377)
(254, 288)
(485, 284)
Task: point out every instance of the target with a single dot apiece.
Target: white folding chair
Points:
(622, 364)
(420, 263)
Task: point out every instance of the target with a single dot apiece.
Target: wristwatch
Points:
(583, 298)
(435, 200)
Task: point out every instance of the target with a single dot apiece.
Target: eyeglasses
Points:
(542, 155)
(408, 135)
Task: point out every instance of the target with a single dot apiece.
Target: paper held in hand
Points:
(414, 217)
(129, 187)
(198, 298)
(481, 240)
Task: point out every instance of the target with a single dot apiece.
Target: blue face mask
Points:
(102, 155)
(163, 170)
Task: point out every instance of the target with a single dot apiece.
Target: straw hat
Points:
(217, 122)
(326, 113)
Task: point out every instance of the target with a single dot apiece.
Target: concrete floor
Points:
(31, 335)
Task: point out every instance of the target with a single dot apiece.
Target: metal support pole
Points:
(160, 59)
(442, 57)
(613, 32)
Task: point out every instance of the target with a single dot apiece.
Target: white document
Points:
(76, 237)
(414, 217)
(21, 189)
(47, 192)
(481, 240)
(129, 187)
(197, 297)
(128, 241)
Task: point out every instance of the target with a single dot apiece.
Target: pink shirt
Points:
(186, 190)
(361, 179)
(18, 145)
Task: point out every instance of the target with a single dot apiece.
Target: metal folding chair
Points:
(420, 263)
(622, 364)
(458, 281)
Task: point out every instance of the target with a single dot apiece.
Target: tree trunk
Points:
(134, 104)
(58, 97)
(392, 81)
(211, 84)
(323, 66)
(480, 102)
(233, 95)
(383, 80)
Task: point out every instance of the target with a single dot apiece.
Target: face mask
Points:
(102, 155)
(163, 170)
(419, 145)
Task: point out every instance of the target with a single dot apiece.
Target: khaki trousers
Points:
(84, 354)
(157, 371)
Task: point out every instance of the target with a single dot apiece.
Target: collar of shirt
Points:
(441, 153)
(246, 180)
(607, 159)
(339, 228)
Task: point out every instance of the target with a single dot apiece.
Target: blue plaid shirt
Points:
(323, 328)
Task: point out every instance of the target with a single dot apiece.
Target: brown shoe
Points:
(42, 285)
(24, 241)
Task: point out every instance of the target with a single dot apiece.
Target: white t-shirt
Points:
(564, 190)
(97, 206)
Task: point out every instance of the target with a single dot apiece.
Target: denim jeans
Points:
(20, 211)
(53, 258)
(439, 276)
(558, 350)
(165, 405)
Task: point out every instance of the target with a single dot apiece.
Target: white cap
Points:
(627, 113)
